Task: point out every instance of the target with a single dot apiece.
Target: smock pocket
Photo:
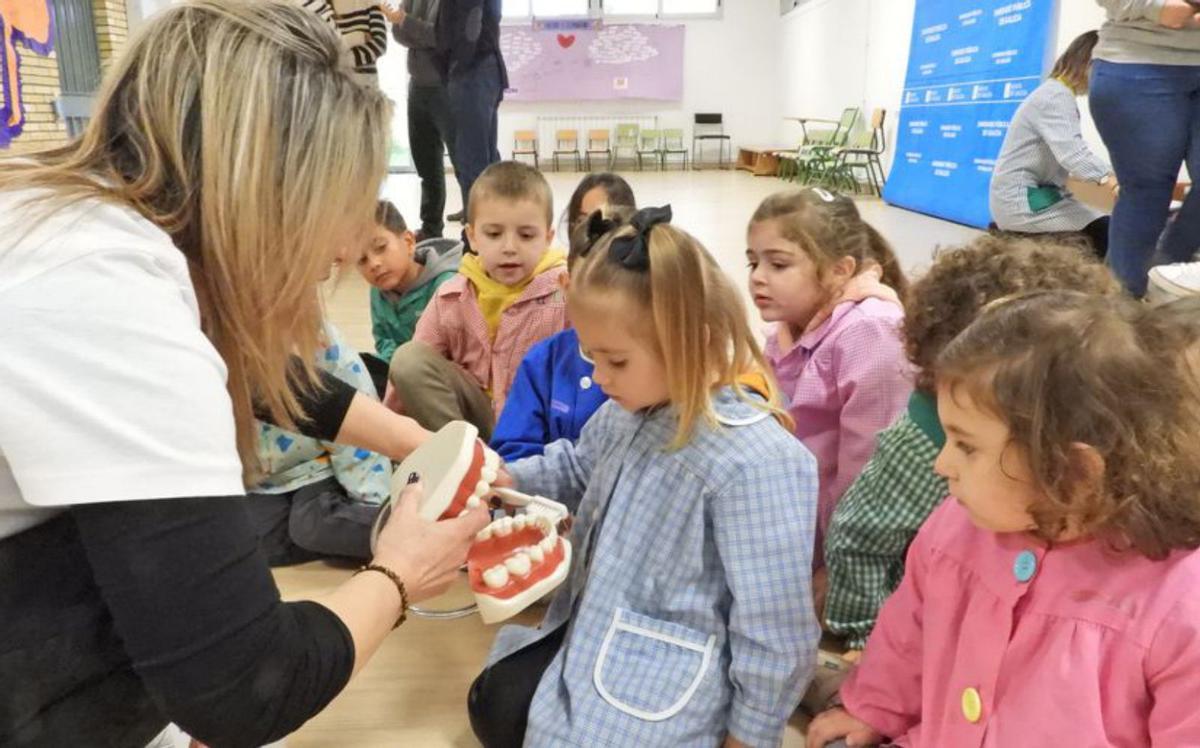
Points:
(650, 669)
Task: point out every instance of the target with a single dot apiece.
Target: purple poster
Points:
(593, 62)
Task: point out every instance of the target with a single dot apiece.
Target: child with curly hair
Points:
(898, 489)
(1052, 601)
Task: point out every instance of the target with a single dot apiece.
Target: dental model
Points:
(514, 561)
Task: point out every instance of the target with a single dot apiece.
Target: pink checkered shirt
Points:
(454, 326)
(847, 380)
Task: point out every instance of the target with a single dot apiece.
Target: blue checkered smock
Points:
(688, 602)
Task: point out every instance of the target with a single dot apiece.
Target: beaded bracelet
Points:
(399, 587)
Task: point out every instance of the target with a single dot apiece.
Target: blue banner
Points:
(972, 62)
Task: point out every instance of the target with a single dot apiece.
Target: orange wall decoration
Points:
(30, 24)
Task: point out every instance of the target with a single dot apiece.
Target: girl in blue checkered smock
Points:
(687, 617)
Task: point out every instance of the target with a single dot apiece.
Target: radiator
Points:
(548, 126)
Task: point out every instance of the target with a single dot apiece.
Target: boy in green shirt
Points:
(404, 276)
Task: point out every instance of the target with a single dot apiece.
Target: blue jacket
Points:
(552, 397)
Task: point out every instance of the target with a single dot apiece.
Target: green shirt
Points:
(878, 517)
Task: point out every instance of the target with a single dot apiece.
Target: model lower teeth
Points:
(495, 577)
(518, 565)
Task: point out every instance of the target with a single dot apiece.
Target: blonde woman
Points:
(158, 287)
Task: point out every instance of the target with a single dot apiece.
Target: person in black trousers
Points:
(468, 35)
(430, 124)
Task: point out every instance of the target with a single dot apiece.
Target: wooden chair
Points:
(566, 143)
(626, 144)
(649, 142)
(525, 143)
(672, 145)
(863, 151)
(599, 143)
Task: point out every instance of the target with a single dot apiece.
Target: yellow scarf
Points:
(493, 296)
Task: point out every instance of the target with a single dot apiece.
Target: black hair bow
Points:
(633, 251)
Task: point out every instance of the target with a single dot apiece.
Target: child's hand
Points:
(852, 656)
(820, 589)
(1179, 14)
(504, 479)
(394, 15)
(837, 723)
(866, 285)
(732, 742)
(391, 399)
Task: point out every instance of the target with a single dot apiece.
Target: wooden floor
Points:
(413, 693)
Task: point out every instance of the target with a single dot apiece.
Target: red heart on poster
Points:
(566, 40)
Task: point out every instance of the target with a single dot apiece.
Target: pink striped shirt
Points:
(1072, 645)
(454, 326)
(847, 380)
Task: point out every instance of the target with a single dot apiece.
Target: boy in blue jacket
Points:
(552, 395)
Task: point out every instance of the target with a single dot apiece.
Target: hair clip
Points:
(822, 193)
(633, 251)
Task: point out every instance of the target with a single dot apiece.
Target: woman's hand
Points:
(425, 555)
(868, 284)
(394, 15)
(836, 724)
(1179, 14)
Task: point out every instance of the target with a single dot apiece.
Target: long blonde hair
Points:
(698, 323)
(234, 126)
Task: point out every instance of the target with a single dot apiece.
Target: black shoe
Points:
(458, 217)
(422, 235)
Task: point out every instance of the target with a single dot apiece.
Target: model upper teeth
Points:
(482, 488)
(503, 526)
(521, 521)
(547, 544)
(536, 554)
(518, 564)
(474, 502)
(484, 534)
(496, 577)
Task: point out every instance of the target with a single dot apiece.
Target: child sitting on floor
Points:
(404, 276)
(837, 356)
(1052, 601)
(480, 324)
(694, 518)
(592, 193)
(319, 499)
(553, 394)
(879, 515)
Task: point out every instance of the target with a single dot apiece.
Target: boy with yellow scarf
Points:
(479, 325)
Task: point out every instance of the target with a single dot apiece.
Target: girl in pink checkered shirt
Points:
(831, 284)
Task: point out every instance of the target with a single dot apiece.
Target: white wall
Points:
(839, 53)
(728, 67)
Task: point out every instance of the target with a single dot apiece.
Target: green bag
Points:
(1043, 197)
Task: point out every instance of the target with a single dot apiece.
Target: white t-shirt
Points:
(109, 390)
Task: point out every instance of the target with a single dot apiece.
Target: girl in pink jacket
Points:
(1052, 603)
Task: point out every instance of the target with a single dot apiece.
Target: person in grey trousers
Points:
(430, 121)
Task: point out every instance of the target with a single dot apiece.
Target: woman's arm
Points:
(197, 610)
(337, 412)
(1057, 123)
